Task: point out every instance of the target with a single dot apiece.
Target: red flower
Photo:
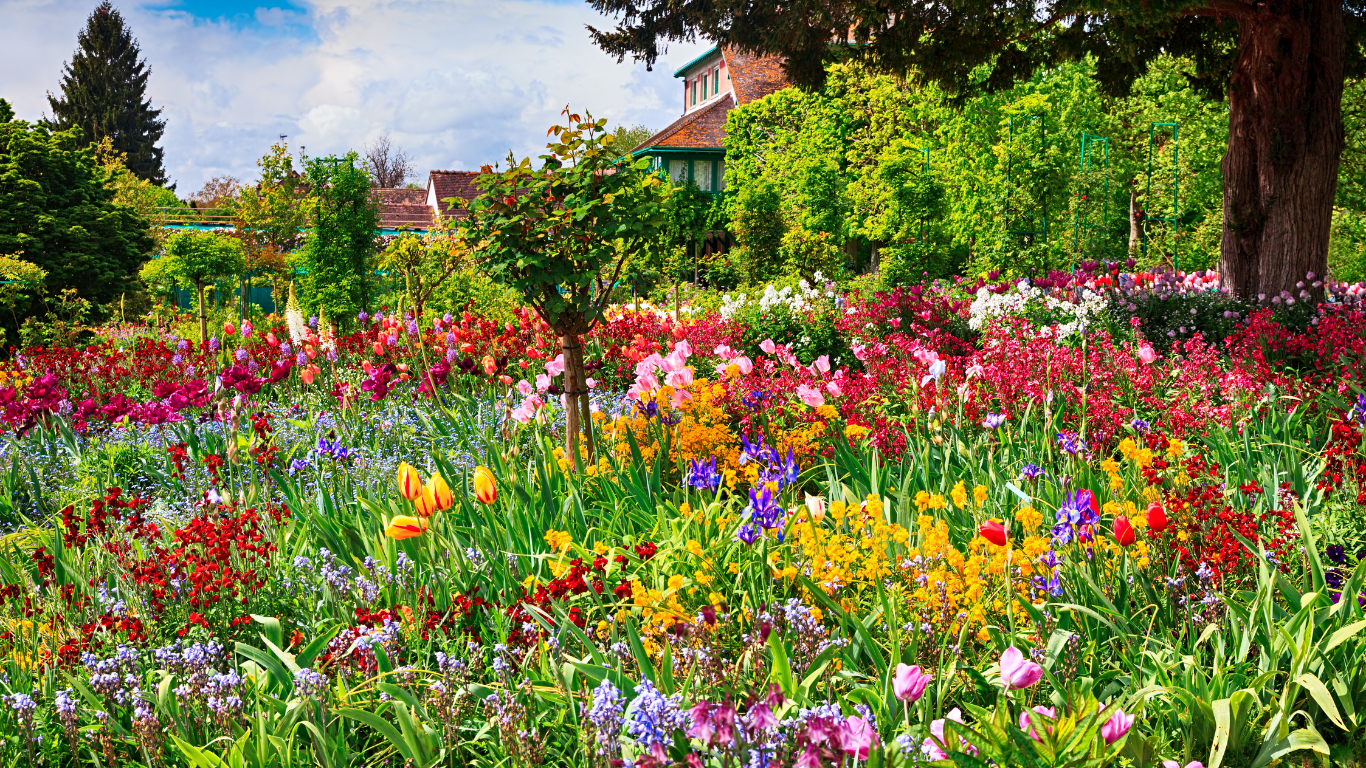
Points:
(1157, 518)
(994, 532)
(1124, 531)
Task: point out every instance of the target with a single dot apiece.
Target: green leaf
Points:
(1322, 697)
(381, 726)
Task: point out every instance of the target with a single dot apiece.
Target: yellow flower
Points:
(1109, 466)
(409, 482)
(675, 582)
(960, 495)
(734, 568)
(685, 509)
(405, 527)
(1175, 448)
(855, 431)
(827, 411)
(837, 509)
(485, 489)
(695, 547)
(979, 495)
(1028, 518)
(702, 578)
(601, 548)
(558, 540)
(441, 492)
(716, 598)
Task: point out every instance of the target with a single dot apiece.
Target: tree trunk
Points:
(1285, 139)
(203, 318)
(573, 374)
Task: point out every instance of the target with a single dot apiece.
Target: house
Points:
(694, 146)
(416, 209)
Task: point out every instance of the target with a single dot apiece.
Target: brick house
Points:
(415, 209)
(694, 146)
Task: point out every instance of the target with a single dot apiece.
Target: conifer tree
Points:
(104, 93)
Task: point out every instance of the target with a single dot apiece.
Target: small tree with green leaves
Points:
(553, 232)
(196, 258)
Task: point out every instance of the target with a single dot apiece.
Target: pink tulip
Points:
(856, 736)
(592, 383)
(1147, 354)
(768, 346)
(1174, 764)
(860, 351)
(555, 367)
(524, 388)
(810, 396)
(909, 682)
(933, 747)
(1118, 725)
(822, 364)
(834, 389)
(505, 380)
(679, 379)
(1048, 712)
(744, 364)
(683, 348)
(542, 382)
(1017, 671)
(681, 396)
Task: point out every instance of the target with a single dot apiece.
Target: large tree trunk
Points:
(1285, 138)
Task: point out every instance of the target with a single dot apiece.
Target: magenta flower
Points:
(1118, 725)
(909, 682)
(1017, 671)
(1048, 712)
(856, 736)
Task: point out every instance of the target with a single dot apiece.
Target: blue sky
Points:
(456, 83)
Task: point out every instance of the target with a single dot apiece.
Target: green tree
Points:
(756, 219)
(196, 258)
(626, 138)
(554, 233)
(56, 209)
(6, 111)
(425, 261)
(104, 93)
(341, 245)
(271, 215)
(1282, 64)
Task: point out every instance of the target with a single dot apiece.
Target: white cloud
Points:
(456, 84)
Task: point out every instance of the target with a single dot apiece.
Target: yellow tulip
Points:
(426, 503)
(485, 489)
(405, 527)
(409, 481)
(441, 492)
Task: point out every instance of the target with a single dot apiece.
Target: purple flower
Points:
(993, 420)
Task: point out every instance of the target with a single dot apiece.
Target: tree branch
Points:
(1223, 9)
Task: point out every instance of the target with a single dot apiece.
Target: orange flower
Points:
(409, 482)
(426, 502)
(441, 493)
(485, 489)
(405, 527)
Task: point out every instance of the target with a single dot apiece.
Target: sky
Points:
(455, 83)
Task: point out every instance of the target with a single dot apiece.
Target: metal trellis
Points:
(1084, 231)
(1042, 228)
(1175, 219)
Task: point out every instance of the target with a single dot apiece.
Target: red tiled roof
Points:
(398, 196)
(453, 184)
(754, 77)
(703, 128)
(405, 216)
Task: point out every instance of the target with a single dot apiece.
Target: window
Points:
(701, 173)
(705, 83)
(716, 80)
(720, 175)
(678, 171)
(694, 92)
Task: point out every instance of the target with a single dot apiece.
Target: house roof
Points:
(702, 128)
(754, 77)
(683, 70)
(453, 184)
(403, 208)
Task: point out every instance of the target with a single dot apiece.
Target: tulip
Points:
(1174, 764)
(909, 682)
(768, 346)
(856, 736)
(1124, 531)
(405, 527)
(378, 347)
(994, 532)
(1114, 729)
(1048, 712)
(485, 489)
(816, 506)
(229, 329)
(425, 503)
(1157, 518)
(307, 375)
(441, 492)
(1147, 354)
(1017, 671)
(409, 483)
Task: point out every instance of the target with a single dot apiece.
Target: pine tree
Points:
(104, 92)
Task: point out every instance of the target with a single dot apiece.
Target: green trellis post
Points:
(924, 171)
(1175, 219)
(1010, 181)
(1085, 162)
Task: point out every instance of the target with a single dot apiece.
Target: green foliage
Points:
(272, 213)
(757, 222)
(56, 209)
(6, 111)
(1347, 246)
(341, 245)
(104, 91)
(198, 259)
(626, 138)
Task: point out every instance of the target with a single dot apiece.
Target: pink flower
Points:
(555, 367)
(860, 351)
(834, 389)
(683, 348)
(1048, 712)
(679, 379)
(822, 364)
(1174, 764)
(933, 747)
(246, 328)
(761, 717)
(810, 396)
(1118, 725)
(592, 383)
(768, 346)
(1017, 671)
(524, 388)
(744, 364)
(856, 736)
(542, 382)
(909, 682)
(681, 396)
(1147, 354)
(811, 758)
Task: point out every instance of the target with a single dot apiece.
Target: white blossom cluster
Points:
(1069, 315)
(798, 300)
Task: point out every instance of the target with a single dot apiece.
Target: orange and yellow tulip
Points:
(405, 527)
(485, 489)
(409, 482)
(425, 504)
(441, 492)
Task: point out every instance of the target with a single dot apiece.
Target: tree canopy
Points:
(104, 93)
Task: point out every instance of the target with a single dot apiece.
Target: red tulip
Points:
(1157, 518)
(1124, 531)
(994, 532)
